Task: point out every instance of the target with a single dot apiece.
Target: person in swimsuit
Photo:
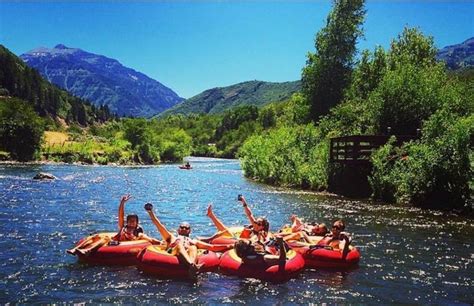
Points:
(260, 225)
(182, 244)
(129, 230)
(337, 239)
(303, 231)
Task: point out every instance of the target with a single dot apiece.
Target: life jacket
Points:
(246, 233)
(124, 235)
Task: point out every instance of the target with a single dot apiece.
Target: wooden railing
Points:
(356, 149)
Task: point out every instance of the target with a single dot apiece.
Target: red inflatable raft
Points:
(231, 264)
(154, 260)
(324, 258)
(124, 254)
(184, 167)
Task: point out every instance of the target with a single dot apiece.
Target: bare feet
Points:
(71, 251)
(83, 252)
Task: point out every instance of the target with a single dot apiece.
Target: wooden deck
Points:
(356, 149)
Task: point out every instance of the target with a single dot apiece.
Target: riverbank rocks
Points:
(44, 176)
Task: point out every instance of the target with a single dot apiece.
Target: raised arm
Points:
(248, 212)
(167, 235)
(121, 211)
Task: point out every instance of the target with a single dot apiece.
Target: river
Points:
(408, 255)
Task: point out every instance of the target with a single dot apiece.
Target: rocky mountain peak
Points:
(60, 46)
(102, 80)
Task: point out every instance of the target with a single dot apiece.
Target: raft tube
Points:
(154, 260)
(184, 167)
(231, 264)
(324, 258)
(123, 254)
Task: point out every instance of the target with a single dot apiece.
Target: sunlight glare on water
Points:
(408, 255)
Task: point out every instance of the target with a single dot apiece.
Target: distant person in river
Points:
(182, 244)
(129, 230)
(187, 165)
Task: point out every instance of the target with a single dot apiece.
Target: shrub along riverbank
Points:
(405, 89)
(140, 141)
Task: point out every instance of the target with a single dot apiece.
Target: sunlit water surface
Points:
(408, 255)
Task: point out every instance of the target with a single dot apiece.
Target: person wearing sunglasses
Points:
(182, 244)
(260, 225)
(337, 239)
(129, 230)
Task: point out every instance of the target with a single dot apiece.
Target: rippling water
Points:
(408, 255)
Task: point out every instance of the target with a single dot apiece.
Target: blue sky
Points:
(193, 46)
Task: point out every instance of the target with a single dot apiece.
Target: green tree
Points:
(328, 70)
(410, 88)
(21, 129)
(137, 132)
(268, 117)
(234, 118)
(367, 74)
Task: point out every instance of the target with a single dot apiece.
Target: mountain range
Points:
(217, 100)
(17, 80)
(458, 56)
(102, 80)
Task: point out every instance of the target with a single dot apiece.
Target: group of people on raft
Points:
(255, 243)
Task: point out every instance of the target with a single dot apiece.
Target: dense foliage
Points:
(328, 70)
(403, 89)
(21, 129)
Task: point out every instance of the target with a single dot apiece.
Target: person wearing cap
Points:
(129, 230)
(182, 244)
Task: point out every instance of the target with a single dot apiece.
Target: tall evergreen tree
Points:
(328, 70)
